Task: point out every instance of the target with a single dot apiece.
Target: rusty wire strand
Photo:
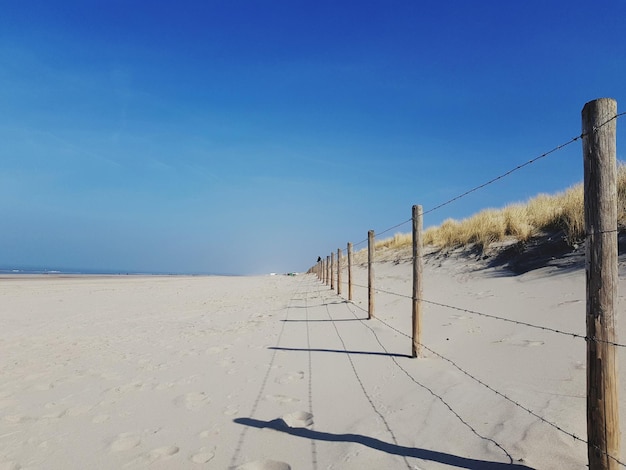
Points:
(499, 177)
(495, 317)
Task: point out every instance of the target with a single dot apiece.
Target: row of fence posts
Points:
(600, 195)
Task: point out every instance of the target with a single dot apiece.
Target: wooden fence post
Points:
(332, 274)
(338, 271)
(370, 274)
(417, 281)
(327, 270)
(599, 154)
(349, 271)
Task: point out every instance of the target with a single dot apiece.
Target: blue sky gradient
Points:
(248, 137)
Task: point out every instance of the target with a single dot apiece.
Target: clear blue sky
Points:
(252, 136)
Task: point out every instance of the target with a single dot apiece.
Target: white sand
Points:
(215, 372)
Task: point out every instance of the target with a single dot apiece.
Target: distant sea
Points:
(52, 271)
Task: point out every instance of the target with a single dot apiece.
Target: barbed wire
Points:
(395, 226)
(530, 325)
(499, 177)
(500, 394)
(495, 317)
(519, 405)
(491, 388)
(358, 378)
(446, 404)
(596, 128)
(407, 259)
(504, 175)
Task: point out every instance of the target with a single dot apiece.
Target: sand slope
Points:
(278, 372)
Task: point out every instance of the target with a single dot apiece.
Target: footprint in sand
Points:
(298, 419)
(55, 414)
(43, 387)
(203, 455)
(231, 410)
(12, 465)
(209, 433)
(191, 400)
(188, 353)
(164, 386)
(162, 452)
(226, 362)
(290, 378)
(124, 441)
(148, 458)
(217, 349)
(265, 465)
(137, 385)
(282, 399)
(17, 419)
(484, 294)
(79, 410)
(100, 419)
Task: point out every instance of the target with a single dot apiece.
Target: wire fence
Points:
(494, 179)
(328, 270)
(496, 317)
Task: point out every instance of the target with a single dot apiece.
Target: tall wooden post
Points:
(332, 275)
(338, 271)
(370, 274)
(599, 154)
(327, 270)
(417, 281)
(349, 271)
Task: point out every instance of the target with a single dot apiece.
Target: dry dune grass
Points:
(543, 213)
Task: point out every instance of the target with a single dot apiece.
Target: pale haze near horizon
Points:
(253, 137)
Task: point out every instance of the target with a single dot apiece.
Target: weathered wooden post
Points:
(370, 274)
(599, 154)
(417, 281)
(327, 270)
(349, 271)
(332, 275)
(338, 271)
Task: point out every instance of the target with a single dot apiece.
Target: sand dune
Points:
(278, 372)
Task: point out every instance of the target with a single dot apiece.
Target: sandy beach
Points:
(279, 372)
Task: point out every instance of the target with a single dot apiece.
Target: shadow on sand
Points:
(424, 454)
(343, 351)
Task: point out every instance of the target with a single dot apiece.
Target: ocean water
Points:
(56, 270)
(42, 270)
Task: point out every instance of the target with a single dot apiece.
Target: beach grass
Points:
(544, 213)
